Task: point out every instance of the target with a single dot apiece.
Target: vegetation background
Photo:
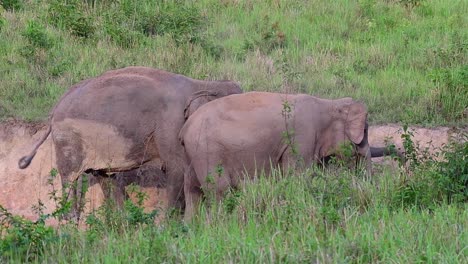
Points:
(406, 59)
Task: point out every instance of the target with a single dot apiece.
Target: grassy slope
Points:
(411, 60)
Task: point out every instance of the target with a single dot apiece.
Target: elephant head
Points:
(348, 124)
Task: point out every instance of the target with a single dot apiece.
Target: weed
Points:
(37, 36)
(135, 212)
(288, 134)
(11, 5)
(2, 20)
(453, 169)
(71, 16)
(410, 4)
(23, 238)
(231, 200)
(430, 181)
(182, 21)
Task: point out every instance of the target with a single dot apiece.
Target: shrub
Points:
(2, 19)
(120, 28)
(454, 169)
(182, 21)
(11, 4)
(22, 237)
(127, 22)
(429, 181)
(37, 36)
(268, 37)
(71, 16)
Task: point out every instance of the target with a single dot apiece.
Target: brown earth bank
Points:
(21, 189)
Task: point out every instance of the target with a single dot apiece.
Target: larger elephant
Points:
(125, 118)
(253, 131)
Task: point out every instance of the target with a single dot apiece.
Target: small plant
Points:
(429, 181)
(182, 21)
(219, 169)
(23, 237)
(411, 155)
(454, 167)
(288, 134)
(268, 37)
(71, 16)
(411, 3)
(119, 31)
(135, 212)
(37, 36)
(11, 5)
(232, 200)
(111, 218)
(2, 19)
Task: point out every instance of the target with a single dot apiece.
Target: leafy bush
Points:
(2, 23)
(71, 15)
(37, 36)
(430, 181)
(11, 4)
(128, 21)
(2, 19)
(22, 237)
(267, 38)
(121, 35)
(454, 169)
(182, 21)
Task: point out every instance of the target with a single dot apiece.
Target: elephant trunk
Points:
(386, 151)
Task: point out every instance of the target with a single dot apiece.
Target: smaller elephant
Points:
(252, 132)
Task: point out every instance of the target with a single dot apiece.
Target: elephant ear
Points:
(196, 100)
(355, 122)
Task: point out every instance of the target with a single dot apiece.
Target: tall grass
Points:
(407, 56)
(314, 216)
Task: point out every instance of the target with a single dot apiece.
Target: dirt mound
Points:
(20, 189)
(432, 138)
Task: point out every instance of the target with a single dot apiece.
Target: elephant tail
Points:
(26, 160)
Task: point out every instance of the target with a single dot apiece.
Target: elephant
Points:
(123, 119)
(254, 131)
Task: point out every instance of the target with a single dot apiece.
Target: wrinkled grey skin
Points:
(125, 118)
(246, 133)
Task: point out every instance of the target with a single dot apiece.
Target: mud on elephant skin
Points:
(125, 118)
(245, 133)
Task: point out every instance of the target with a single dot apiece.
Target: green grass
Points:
(406, 61)
(331, 217)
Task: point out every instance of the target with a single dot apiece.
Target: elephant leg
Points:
(69, 165)
(113, 189)
(175, 188)
(192, 193)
